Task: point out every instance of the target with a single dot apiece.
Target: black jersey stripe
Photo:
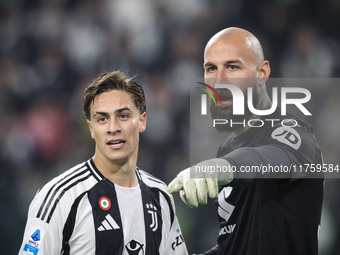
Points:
(148, 176)
(154, 180)
(52, 198)
(81, 167)
(168, 200)
(138, 173)
(62, 193)
(69, 225)
(94, 169)
(165, 195)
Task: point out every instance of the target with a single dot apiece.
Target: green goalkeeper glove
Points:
(194, 183)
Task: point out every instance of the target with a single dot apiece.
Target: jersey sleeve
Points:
(175, 244)
(284, 154)
(41, 237)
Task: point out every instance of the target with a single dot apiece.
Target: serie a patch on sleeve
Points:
(32, 245)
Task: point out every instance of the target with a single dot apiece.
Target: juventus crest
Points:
(152, 210)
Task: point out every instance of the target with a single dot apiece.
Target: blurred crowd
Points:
(51, 49)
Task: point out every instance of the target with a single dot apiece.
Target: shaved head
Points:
(241, 38)
(235, 56)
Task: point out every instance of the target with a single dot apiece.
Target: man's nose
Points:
(114, 127)
(221, 77)
(221, 74)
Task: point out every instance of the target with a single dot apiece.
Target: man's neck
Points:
(120, 173)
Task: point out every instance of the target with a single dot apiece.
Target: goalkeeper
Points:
(259, 214)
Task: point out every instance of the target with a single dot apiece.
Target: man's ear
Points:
(142, 122)
(264, 72)
(90, 127)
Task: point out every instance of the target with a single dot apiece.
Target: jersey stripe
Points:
(150, 177)
(152, 181)
(69, 225)
(78, 175)
(94, 170)
(168, 200)
(62, 193)
(78, 168)
(52, 197)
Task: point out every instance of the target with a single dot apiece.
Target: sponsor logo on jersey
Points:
(178, 240)
(287, 135)
(152, 210)
(36, 235)
(227, 229)
(108, 224)
(32, 245)
(104, 203)
(134, 248)
(31, 250)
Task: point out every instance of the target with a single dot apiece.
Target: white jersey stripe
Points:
(63, 192)
(69, 177)
(65, 184)
(95, 173)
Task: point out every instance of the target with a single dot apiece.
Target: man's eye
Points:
(233, 67)
(101, 119)
(123, 116)
(211, 69)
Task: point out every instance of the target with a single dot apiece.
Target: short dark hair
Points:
(116, 80)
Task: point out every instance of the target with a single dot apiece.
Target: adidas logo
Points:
(108, 224)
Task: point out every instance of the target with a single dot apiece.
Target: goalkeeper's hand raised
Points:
(194, 183)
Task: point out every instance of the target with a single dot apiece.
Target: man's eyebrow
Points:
(100, 113)
(105, 114)
(228, 62)
(123, 109)
(232, 62)
(208, 64)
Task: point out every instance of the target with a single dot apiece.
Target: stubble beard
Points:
(226, 113)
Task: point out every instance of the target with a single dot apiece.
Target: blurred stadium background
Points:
(51, 49)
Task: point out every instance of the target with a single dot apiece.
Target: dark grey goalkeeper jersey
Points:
(80, 212)
(261, 214)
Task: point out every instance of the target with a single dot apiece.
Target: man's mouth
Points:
(116, 144)
(226, 99)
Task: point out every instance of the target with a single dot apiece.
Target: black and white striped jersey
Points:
(81, 212)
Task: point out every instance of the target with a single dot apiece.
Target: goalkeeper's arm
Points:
(200, 180)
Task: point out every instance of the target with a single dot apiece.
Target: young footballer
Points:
(106, 205)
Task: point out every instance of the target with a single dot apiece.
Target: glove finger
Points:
(201, 187)
(212, 186)
(175, 185)
(184, 199)
(190, 192)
